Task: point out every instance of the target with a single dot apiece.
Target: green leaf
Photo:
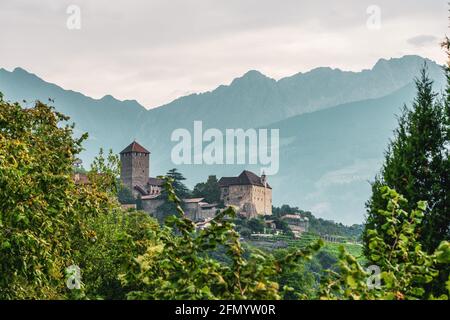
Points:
(6, 245)
(351, 282)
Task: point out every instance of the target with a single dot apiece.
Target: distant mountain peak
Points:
(109, 98)
(20, 70)
(254, 74)
(251, 76)
(406, 61)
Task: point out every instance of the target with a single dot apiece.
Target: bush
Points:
(394, 247)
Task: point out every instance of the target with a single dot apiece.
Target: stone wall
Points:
(206, 213)
(191, 210)
(134, 170)
(150, 206)
(262, 199)
(251, 200)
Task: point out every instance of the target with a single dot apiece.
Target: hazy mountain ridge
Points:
(301, 93)
(334, 153)
(334, 125)
(107, 120)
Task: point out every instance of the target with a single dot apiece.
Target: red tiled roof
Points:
(135, 147)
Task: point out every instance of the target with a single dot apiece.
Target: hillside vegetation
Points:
(63, 240)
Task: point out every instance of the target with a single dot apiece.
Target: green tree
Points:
(284, 210)
(115, 240)
(416, 164)
(41, 208)
(167, 208)
(394, 247)
(283, 226)
(125, 195)
(296, 281)
(181, 265)
(209, 190)
(179, 187)
(256, 225)
(49, 222)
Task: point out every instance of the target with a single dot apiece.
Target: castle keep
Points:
(249, 192)
(135, 171)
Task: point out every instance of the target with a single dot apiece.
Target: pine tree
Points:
(209, 190)
(168, 208)
(180, 189)
(415, 164)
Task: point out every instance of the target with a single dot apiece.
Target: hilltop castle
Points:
(249, 193)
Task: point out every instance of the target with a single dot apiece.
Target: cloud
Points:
(155, 50)
(358, 171)
(423, 40)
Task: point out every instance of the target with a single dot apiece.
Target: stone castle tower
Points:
(135, 166)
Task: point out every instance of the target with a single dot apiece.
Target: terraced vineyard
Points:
(280, 241)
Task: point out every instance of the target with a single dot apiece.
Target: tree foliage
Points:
(417, 166)
(49, 222)
(393, 245)
(316, 225)
(41, 209)
(168, 207)
(209, 190)
(180, 268)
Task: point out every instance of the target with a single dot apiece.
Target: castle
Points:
(249, 193)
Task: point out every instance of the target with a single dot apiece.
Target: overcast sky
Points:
(157, 50)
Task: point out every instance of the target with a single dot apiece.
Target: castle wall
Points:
(192, 211)
(262, 198)
(236, 195)
(205, 213)
(150, 206)
(251, 200)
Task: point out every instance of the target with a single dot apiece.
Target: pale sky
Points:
(154, 51)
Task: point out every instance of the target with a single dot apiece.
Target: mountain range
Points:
(334, 126)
